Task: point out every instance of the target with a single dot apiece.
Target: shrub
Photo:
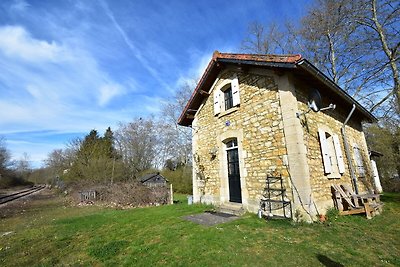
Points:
(332, 214)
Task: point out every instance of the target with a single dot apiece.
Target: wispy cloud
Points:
(50, 82)
(19, 5)
(136, 52)
(69, 66)
(108, 91)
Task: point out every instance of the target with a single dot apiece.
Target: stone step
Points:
(231, 208)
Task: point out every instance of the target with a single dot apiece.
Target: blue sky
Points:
(70, 66)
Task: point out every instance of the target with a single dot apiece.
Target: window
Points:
(231, 144)
(331, 154)
(227, 96)
(359, 161)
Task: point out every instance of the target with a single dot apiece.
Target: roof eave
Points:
(183, 121)
(311, 69)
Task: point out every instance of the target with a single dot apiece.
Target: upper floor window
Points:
(226, 96)
(332, 155)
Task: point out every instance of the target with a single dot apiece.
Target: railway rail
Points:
(17, 195)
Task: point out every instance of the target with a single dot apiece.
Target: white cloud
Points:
(108, 91)
(16, 42)
(57, 87)
(34, 91)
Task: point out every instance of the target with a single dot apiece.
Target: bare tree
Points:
(137, 144)
(264, 40)
(355, 43)
(177, 140)
(380, 30)
(23, 166)
(4, 157)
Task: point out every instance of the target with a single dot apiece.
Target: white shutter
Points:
(359, 161)
(217, 106)
(325, 152)
(235, 91)
(339, 155)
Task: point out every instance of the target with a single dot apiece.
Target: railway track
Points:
(17, 195)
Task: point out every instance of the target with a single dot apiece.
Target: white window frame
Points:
(219, 101)
(332, 155)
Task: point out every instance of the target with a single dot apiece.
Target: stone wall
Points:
(256, 123)
(333, 119)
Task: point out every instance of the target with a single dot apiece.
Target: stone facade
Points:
(258, 126)
(332, 120)
(272, 139)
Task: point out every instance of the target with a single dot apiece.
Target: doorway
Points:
(232, 152)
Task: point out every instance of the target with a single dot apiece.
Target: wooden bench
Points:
(347, 202)
(373, 200)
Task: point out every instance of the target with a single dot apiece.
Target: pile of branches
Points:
(121, 194)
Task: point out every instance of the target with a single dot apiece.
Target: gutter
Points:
(285, 65)
(347, 150)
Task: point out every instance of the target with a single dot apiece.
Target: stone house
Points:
(254, 116)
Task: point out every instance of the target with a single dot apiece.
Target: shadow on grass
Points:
(328, 262)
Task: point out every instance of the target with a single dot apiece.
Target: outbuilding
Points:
(153, 180)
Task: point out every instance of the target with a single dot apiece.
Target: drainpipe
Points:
(346, 147)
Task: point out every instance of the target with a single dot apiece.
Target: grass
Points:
(50, 233)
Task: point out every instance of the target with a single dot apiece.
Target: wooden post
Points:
(171, 194)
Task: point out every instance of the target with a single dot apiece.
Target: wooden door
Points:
(235, 192)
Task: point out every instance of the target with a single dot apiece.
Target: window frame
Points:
(228, 97)
(222, 103)
(332, 154)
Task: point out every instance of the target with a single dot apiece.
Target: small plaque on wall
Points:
(227, 123)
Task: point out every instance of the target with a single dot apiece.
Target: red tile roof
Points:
(258, 57)
(272, 61)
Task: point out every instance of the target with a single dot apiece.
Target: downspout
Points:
(347, 150)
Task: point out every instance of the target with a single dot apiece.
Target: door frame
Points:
(223, 165)
(234, 147)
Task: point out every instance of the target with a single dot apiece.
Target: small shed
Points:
(153, 180)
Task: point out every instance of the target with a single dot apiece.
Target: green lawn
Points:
(50, 233)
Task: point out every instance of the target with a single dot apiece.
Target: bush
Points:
(332, 214)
